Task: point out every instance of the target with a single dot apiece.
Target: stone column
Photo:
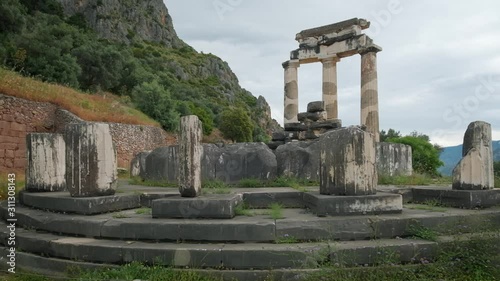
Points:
(369, 90)
(348, 163)
(45, 169)
(291, 91)
(91, 168)
(330, 87)
(190, 153)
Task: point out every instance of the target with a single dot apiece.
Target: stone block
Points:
(190, 153)
(469, 199)
(275, 144)
(327, 205)
(299, 159)
(308, 117)
(207, 206)
(293, 127)
(475, 170)
(244, 161)
(316, 106)
(394, 159)
(62, 202)
(278, 136)
(264, 199)
(348, 163)
(138, 164)
(161, 164)
(91, 167)
(326, 125)
(46, 162)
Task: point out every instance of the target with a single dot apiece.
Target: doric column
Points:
(369, 90)
(330, 87)
(291, 91)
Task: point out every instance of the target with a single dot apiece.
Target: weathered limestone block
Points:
(299, 159)
(475, 170)
(46, 162)
(327, 125)
(244, 161)
(315, 106)
(295, 127)
(189, 157)
(312, 117)
(138, 164)
(91, 167)
(394, 159)
(161, 164)
(278, 136)
(347, 163)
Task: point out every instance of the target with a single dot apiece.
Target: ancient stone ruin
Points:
(328, 45)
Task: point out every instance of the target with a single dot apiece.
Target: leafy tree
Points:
(425, 156)
(391, 133)
(496, 168)
(236, 125)
(155, 101)
(12, 16)
(51, 7)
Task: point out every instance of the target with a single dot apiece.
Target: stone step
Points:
(296, 223)
(220, 256)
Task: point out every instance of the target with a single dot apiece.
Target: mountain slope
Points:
(129, 48)
(452, 155)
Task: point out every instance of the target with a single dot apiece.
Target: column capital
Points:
(291, 64)
(369, 49)
(332, 59)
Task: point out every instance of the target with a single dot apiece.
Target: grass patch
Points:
(5, 180)
(418, 231)
(276, 211)
(215, 187)
(497, 182)
(143, 211)
(286, 239)
(251, 183)
(415, 179)
(139, 181)
(425, 207)
(292, 182)
(243, 210)
(120, 216)
(91, 107)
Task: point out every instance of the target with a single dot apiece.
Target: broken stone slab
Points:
(207, 206)
(91, 165)
(161, 164)
(46, 162)
(275, 144)
(138, 164)
(295, 127)
(299, 159)
(308, 117)
(468, 199)
(189, 158)
(326, 205)
(278, 136)
(316, 106)
(394, 159)
(348, 163)
(475, 170)
(327, 125)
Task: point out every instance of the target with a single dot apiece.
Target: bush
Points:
(425, 156)
(155, 101)
(235, 124)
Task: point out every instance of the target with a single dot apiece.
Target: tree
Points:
(155, 101)
(425, 156)
(496, 168)
(236, 125)
(384, 136)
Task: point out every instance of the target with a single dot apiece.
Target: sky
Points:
(439, 69)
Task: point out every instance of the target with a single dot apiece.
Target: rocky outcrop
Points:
(123, 21)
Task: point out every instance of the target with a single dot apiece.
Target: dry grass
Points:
(91, 107)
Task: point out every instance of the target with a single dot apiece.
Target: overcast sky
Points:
(439, 69)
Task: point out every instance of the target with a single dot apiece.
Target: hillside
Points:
(452, 155)
(128, 48)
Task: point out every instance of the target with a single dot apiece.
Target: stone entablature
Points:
(328, 44)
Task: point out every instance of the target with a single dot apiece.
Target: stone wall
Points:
(394, 159)
(19, 117)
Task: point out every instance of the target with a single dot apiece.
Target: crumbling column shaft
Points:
(330, 87)
(91, 168)
(46, 162)
(190, 152)
(291, 92)
(369, 93)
